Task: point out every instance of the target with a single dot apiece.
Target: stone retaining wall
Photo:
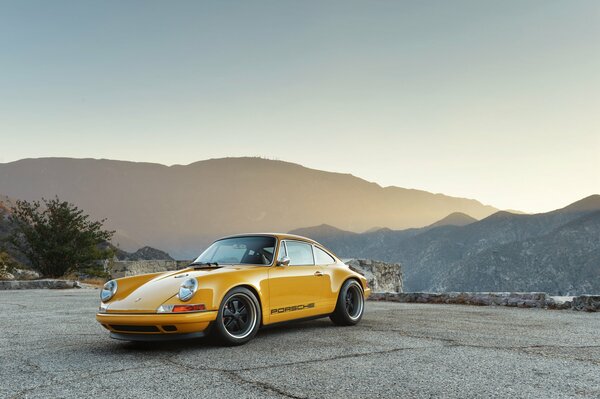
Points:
(118, 269)
(517, 299)
(38, 284)
(590, 303)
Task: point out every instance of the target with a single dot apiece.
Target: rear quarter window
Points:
(322, 257)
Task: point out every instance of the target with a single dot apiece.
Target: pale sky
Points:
(493, 100)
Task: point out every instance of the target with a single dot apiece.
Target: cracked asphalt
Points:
(52, 347)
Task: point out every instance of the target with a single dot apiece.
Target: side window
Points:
(282, 251)
(299, 253)
(322, 257)
(267, 253)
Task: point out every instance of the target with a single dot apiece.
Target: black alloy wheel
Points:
(350, 305)
(239, 317)
(352, 302)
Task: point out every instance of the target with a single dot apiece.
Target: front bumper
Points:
(156, 326)
(156, 337)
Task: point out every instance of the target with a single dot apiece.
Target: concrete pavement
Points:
(52, 347)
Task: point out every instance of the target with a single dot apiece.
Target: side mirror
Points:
(285, 261)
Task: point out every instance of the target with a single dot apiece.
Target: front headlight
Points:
(187, 289)
(108, 291)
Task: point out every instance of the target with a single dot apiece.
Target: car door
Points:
(295, 290)
(326, 262)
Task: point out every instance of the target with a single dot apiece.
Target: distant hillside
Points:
(587, 204)
(370, 242)
(503, 251)
(454, 219)
(182, 208)
(566, 260)
(144, 253)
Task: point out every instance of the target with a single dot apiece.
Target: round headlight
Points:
(187, 289)
(108, 291)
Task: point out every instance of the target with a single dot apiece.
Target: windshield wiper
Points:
(198, 265)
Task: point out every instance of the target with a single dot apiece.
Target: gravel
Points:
(52, 347)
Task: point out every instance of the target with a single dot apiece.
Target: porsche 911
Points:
(237, 285)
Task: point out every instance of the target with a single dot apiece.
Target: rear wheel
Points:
(238, 318)
(350, 304)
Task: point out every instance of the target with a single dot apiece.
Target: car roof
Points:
(280, 236)
(285, 236)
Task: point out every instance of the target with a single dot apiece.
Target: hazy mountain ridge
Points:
(448, 258)
(566, 260)
(370, 243)
(454, 219)
(182, 208)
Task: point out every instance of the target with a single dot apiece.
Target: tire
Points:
(238, 318)
(350, 304)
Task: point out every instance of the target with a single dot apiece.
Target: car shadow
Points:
(210, 343)
(295, 325)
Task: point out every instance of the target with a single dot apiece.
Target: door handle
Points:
(318, 274)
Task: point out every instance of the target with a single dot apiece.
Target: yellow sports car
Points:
(238, 284)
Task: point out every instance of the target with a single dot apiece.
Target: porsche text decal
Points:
(293, 308)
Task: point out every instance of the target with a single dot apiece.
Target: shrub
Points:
(57, 237)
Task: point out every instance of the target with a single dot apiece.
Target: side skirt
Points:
(280, 323)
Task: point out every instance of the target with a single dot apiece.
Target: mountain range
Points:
(182, 208)
(444, 243)
(556, 252)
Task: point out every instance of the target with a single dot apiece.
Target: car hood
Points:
(150, 295)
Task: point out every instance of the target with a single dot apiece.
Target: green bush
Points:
(57, 237)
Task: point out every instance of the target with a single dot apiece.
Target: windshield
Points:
(251, 250)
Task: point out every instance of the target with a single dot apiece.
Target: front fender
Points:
(213, 288)
(126, 285)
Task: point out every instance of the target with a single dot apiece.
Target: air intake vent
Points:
(134, 328)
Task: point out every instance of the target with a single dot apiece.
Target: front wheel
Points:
(238, 318)
(350, 304)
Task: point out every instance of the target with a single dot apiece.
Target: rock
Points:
(588, 303)
(23, 274)
(6, 268)
(381, 276)
(4, 275)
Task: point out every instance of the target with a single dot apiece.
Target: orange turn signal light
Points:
(188, 308)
